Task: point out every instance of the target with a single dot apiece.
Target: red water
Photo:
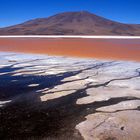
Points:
(122, 49)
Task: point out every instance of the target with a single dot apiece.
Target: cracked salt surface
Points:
(105, 92)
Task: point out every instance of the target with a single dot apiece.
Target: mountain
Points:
(72, 23)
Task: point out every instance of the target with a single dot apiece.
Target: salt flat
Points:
(55, 97)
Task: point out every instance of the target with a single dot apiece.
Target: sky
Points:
(17, 11)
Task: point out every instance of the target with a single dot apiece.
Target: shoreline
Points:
(71, 36)
(69, 56)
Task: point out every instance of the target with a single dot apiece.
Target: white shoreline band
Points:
(70, 36)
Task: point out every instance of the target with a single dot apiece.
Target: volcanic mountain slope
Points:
(72, 23)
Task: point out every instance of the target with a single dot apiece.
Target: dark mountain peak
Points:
(83, 11)
(86, 13)
(73, 14)
(79, 12)
(72, 23)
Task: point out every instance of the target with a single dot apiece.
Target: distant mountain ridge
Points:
(72, 23)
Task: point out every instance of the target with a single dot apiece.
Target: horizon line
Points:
(71, 36)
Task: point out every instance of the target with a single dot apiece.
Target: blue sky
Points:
(17, 11)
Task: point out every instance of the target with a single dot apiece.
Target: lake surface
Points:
(122, 49)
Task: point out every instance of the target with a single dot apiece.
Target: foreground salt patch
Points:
(62, 90)
(133, 104)
(33, 85)
(56, 95)
(2, 103)
(106, 93)
(121, 125)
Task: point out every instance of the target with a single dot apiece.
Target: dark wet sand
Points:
(122, 49)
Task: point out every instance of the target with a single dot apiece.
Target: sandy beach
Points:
(118, 49)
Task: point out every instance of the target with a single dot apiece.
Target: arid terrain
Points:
(72, 23)
(55, 97)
